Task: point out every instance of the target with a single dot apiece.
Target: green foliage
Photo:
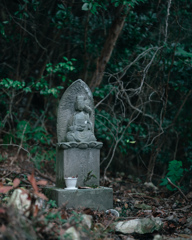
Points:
(131, 3)
(110, 127)
(9, 83)
(52, 203)
(90, 5)
(89, 176)
(104, 91)
(34, 140)
(42, 157)
(61, 68)
(175, 172)
(25, 132)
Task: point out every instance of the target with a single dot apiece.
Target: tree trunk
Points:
(109, 45)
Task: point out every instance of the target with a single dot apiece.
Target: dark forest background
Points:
(136, 56)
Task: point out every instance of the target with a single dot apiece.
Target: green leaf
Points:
(27, 89)
(61, 6)
(86, 6)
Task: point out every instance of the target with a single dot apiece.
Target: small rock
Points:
(87, 220)
(151, 185)
(189, 195)
(172, 218)
(187, 231)
(71, 234)
(20, 200)
(113, 212)
(140, 226)
(157, 237)
(189, 222)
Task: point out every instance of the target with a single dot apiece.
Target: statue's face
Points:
(80, 103)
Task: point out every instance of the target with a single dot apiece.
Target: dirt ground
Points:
(133, 199)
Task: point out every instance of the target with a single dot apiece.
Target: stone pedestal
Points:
(76, 161)
(99, 198)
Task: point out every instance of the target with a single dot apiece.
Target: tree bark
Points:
(109, 45)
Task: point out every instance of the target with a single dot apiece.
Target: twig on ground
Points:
(6, 175)
(178, 189)
(113, 218)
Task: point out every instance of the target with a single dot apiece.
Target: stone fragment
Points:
(87, 220)
(151, 185)
(157, 237)
(140, 226)
(72, 234)
(20, 200)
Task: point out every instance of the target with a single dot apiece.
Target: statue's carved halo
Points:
(66, 107)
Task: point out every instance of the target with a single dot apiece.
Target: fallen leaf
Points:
(5, 189)
(88, 211)
(126, 205)
(41, 195)
(64, 214)
(42, 182)
(172, 225)
(2, 228)
(33, 182)
(183, 220)
(79, 187)
(2, 210)
(16, 182)
(62, 232)
(36, 210)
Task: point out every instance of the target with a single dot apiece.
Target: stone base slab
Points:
(99, 198)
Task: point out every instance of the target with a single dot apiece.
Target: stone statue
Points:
(80, 127)
(76, 117)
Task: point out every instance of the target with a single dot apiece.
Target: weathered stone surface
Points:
(78, 152)
(75, 161)
(20, 200)
(71, 234)
(81, 145)
(67, 108)
(87, 220)
(151, 186)
(99, 198)
(140, 226)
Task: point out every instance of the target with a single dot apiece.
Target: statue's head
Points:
(80, 103)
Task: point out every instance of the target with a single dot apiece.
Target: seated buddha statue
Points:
(80, 128)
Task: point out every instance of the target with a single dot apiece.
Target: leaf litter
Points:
(132, 199)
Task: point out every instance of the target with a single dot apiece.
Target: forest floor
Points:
(133, 199)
